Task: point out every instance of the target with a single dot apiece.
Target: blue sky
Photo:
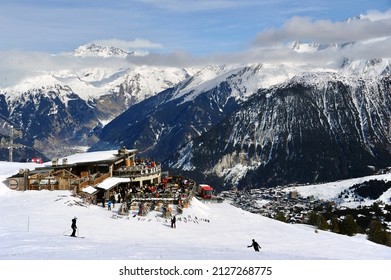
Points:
(195, 27)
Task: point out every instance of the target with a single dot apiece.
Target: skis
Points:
(75, 236)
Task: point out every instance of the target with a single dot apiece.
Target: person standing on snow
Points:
(255, 245)
(74, 227)
(173, 222)
(109, 205)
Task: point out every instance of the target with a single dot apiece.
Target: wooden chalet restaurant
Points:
(98, 176)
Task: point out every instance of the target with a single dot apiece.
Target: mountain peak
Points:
(93, 50)
(299, 46)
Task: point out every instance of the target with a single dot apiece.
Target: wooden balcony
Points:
(137, 171)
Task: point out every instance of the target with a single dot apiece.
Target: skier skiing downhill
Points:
(74, 227)
(255, 245)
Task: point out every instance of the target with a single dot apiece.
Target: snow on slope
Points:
(244, 79)
(94, 82)
(90, 72)
(105, 72)
(33, 224)
(100, 51)
(330, 191)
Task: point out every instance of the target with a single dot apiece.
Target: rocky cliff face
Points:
(160, 125)
(316, 127)
(157, 127)
(51, 119)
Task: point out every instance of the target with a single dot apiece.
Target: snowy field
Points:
(209, 238)
(33, 225)
(331, 191)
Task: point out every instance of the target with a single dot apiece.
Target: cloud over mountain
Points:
(137, 44)
(328, 32)
(365, 37)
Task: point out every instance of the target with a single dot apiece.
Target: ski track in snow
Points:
(33, 225)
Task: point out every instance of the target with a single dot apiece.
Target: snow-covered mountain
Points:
(161, 124)
(261, 124)
(266, 122)
(315, 127)
(67, 107)
(94, 50)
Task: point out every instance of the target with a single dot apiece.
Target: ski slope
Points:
(33, 224)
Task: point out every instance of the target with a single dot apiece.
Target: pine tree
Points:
(349, 226)
(377, 234)
(318, 220)
(322, 223)
(281, 217)
(334, 227)
(313, 218)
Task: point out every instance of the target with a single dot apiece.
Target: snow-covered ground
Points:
(33, 224)
(330, 191)
(214, 238)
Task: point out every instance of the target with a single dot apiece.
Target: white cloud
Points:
(328, 32)
(16, 65)
(377, 15)
(366, 37)
(136, 44)
(371, 36)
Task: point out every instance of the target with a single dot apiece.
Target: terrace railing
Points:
(138, 171)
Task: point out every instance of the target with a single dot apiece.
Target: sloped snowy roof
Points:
(111, 182)
(91, 157)
(89, 190)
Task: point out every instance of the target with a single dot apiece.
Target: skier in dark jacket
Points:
(173, 222)
(74, 227)
(255, 245)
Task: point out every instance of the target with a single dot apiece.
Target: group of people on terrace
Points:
(175, 188)
(139, 168)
